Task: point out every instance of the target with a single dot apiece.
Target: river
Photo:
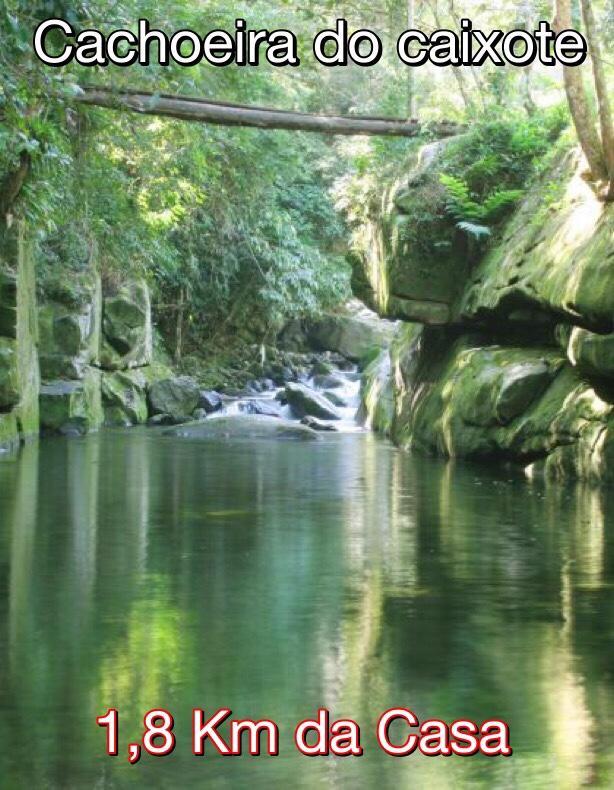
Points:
(139, 570)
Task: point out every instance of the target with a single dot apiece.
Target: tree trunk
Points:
(226, 114)
(601, 89)
(578, 102)
(12, 184)
(179, 327)
(458, 75)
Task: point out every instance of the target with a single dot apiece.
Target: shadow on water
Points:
(140, 571)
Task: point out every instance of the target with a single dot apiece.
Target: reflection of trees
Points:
(145, 573)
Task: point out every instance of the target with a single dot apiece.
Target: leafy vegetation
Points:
(236, 227)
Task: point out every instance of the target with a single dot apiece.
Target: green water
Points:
(139, 571)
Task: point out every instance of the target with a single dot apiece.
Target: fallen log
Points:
(228, 114)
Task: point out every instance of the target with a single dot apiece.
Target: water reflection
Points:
(140, 571)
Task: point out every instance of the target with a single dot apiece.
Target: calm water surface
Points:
(141, 571)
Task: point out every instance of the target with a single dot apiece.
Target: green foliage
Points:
(472, 216)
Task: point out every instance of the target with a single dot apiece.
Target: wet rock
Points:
(282, 374)
(210, 401)
(328, 381)
(317, 425)
(162, 419)
(245, 426)
(322, 368)
(175, 396)
(200, 414)
(334, 398)
(304, 401)
(269, 408)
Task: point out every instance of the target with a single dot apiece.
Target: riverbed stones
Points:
(210, 400)
(244, 426)
(305, 401)
(318, 425)
(72, 407)
(334, 398)
(267, 407)
(178, 397)
(328, 381)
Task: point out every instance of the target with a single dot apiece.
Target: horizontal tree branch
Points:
(228, 114)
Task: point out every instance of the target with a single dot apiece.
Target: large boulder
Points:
(355, 332)
(465, 397)
(593, 354)
(69, 327)
(210, 401)
(303, 401)
(177, 397)
(265, 406)
(554, 259)
(319, 425)
(124, 398)
(72, 407)
(244, 426)
(408, 262)
(127, 328)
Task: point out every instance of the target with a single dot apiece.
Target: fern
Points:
(477, 232)
(471, 217)
(459, 203)
(499, 203)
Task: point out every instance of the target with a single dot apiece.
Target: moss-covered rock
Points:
(355, 332)
(593, 354)
(9, 432)
(19, 367)
(461, 396)
(304, 401)
(244, 426)
(8, 303)
(69, 321)
(9, 378)
(556, 256)
(124, 398)
(408, 262)
(72, 407)
(377, 395)
(177, 397)
(127, 328)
